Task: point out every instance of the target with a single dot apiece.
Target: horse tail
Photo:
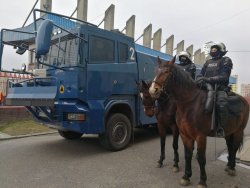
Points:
(246, 111)
(241, 143)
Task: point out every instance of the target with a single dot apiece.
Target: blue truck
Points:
(89, 85)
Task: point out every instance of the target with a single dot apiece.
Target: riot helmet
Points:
(184, 57)
(218, 50)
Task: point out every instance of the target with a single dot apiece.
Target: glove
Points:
(199, 81)
(207, 80)
(202, 79)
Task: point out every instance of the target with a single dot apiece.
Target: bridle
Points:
(148, 106)
(163, 87)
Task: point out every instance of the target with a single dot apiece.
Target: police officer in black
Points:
(216, 71)
(186, 63)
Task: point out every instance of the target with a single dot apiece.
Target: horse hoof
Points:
(201, 186)
(175, 169)
(184, 182)
(159, 165)
(227, 168)
(231, 172)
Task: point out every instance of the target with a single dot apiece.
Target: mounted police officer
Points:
(186, 63)
(216, 71)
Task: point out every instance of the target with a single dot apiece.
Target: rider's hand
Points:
(203, 79)
(199, 81)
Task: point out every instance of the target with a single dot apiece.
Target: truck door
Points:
(146, 70)
(111, 71)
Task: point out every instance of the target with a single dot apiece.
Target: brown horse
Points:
(165, 115)
(193, 123)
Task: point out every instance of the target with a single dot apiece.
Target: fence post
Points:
(197, 57)
(147, 36)
(109, 18)
(180, 47)
(82, 10)
(202, 58)
(190, 49)
(45, 5)
(170, 45)
(130, 27)
(157, 40)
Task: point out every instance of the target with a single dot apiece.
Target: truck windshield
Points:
(64, 51)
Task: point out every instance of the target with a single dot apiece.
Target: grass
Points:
(23, 127)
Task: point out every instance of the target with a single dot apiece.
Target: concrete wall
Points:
(11, 114)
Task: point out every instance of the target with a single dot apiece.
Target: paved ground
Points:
(4, 136)
(49, 161)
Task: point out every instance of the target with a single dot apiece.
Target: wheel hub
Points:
(119, 132)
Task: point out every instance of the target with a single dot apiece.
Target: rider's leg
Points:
(210, 99)
(223, 112)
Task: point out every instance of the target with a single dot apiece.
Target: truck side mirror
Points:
(22, 48)
(43, 38)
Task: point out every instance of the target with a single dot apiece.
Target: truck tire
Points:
(118, 132)
(70, 135)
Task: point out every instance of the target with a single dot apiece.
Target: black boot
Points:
(223, 120)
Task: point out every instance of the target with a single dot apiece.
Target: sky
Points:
(194, 21)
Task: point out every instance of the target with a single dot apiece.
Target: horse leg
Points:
(201, 157)
(235, 142)
(162, 132)
(175, 147)
(188, 149)
(229, 142)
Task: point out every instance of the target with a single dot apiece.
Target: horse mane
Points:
(181, 77)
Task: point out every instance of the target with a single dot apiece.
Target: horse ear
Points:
(144, 84)
(173, 60)
(137, 83)
(159, 61)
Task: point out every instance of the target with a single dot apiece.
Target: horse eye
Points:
(164, 69)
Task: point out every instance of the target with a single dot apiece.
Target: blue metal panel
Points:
(94, 123)
(105, 80)
(69, 81)
(151, 52)
(62, 22)
(32, 92)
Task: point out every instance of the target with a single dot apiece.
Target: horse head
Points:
(147, 101)
(163, 73)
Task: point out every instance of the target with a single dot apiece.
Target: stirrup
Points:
(220, 132)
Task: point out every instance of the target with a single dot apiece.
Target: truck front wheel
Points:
(118, 132)
(70, 135)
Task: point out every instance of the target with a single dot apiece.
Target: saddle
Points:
(234, 104)
(232, 108)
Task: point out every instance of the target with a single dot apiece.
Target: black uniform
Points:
(189, 67)
(217, 71)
